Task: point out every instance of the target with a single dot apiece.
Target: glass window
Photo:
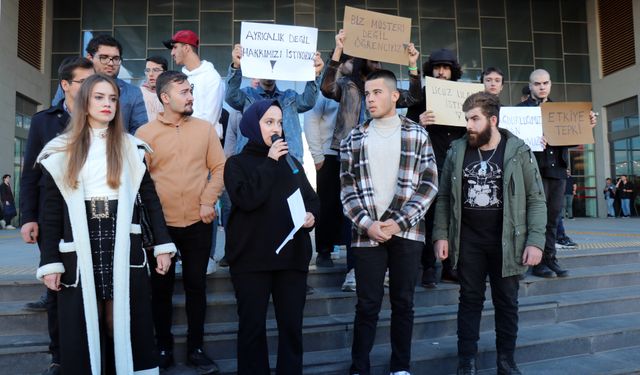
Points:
(216, 5)
(97, 14)
(216, 28)
(470, 53)
(575, 37)
(548, 45)
(326, 14)
(133, 40)
(66, 9)
(578, 68)
(186, 9)
(66, 36)
(444, 29)
(285, 12)
(492, 8)
(519, 20)
(521, 53)
(162, 6)
(159, 30)
(130, 12)
(467, 13)
(496, 57)
(439, 9)
(545, 15)
(254, 10)
(555, 69)
(573, 10)
(494, 33)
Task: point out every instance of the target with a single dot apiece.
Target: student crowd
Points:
(120, 181)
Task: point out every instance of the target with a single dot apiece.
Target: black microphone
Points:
(292, 165)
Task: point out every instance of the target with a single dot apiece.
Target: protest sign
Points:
(282, 52)
(445, 99)
(376, 36)
(525, 123)
(567, 124)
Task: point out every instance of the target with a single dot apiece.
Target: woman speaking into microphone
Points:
(259, 181)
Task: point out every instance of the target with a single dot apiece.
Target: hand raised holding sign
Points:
(340, 39)
(236, 55)
(427, 118)
(414, 55)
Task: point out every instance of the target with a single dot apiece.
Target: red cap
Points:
(182, 36)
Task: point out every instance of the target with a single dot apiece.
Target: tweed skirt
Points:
(102, 235)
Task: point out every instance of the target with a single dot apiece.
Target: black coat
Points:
(553, 160)
(258, 187)
(45, 125)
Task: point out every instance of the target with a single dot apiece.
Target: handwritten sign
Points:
(283, 52)
(567, 124)
(376, 36)
(525, 123)
(445, 99)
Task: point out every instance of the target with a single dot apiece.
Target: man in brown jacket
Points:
(186, 165)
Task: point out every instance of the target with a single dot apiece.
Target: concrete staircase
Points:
(587, 323)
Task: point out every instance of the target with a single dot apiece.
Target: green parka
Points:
(524, 206)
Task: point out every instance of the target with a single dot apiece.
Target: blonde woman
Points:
(92, 252)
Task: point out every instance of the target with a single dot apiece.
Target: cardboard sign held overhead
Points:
(282, 52)
(525, 123)
(445, 99)
(567, 123)
(376, 36)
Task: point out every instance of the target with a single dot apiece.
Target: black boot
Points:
(506, 365)
(555, 267)
(467, 366)
(449, 275)
(429, 278)
(541, 270)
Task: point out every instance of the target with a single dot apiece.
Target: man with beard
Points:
(442, 64)
(186, 151)
(553, 162)
(489, 220)
(105, 52)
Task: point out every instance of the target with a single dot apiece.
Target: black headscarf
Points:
(250, 123)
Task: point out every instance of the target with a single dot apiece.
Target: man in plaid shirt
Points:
(389, 179)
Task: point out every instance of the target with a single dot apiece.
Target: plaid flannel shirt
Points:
(417, 183)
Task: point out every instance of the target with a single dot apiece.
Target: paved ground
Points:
(18, 258)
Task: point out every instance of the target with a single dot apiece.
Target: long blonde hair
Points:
(79, 135)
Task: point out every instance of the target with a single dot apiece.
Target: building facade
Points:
(561, 36)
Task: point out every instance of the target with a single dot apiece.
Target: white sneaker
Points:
(386, 284)
(9, 227)
(349, 284)
(335, 254)
(179, 267)
(400, 373)
(211, 266)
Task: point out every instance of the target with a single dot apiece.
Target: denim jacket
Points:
(291, 101)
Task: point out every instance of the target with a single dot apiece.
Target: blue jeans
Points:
(626, 207)
(610, 210)
(221, 219)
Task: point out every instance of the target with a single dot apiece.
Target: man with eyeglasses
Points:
(106, 54)
(45, 126)
(155, 65)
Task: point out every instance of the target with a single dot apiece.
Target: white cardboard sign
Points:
(525, 123)
(280, 52)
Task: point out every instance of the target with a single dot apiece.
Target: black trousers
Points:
(402, 257)
(475, 263)
(52, 316)
(329, 226)
(428, 258)
(288, 288)
(194, 244)
(554, 192)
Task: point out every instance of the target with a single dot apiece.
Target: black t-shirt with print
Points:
(482, 195)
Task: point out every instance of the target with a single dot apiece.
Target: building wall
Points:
(613, 88)
(16, 76)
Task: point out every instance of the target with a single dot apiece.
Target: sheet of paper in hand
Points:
(525, 123)
(280, 52)
(376, 36)
(297, 212)
(567, 123)
(445, 99)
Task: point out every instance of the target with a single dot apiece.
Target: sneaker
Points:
(223, 262)
(541, 270)
(39, 305)
(53, 369)
(335, 254)
(349, 284)
(400, 373)
(201, 363)
(555, 267)
(386, 281)
(323, 260)
(565, 243)
(179, 267)
(9, 227)
(211, 266)
(166, 359)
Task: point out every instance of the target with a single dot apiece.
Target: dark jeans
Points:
(194, 244)
(52, 325)
(428, 258)
(329, 225)
(554, 192)
(289, 291)
(402, 257)
(475, 262)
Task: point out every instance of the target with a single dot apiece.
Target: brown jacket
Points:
(183, 157)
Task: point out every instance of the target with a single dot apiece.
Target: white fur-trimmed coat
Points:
(66, 249)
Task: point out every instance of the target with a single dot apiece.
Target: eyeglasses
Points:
(80, 81)
(104, 59)
(155, 70)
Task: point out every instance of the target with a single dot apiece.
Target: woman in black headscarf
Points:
(259, 181)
